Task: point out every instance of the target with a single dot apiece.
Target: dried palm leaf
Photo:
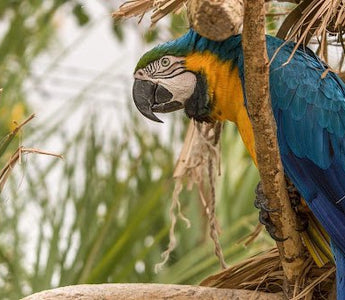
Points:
(314, 18)
(264, 272)
(161, 8)
(198, 163)
(133, 8)
(164, 7)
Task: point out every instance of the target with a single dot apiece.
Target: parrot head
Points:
(163, 83)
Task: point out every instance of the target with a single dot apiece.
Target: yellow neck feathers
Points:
(225, 92)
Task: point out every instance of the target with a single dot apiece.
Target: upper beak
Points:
(150, 97)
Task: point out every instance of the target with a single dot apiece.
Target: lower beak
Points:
(150, 97)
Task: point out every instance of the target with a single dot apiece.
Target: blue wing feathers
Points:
(296, 106)
(307, 99)
(323, 116)
(330, 216)
(311, 120)
(308, 103)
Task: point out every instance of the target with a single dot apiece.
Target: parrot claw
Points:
(260, 201)
(277, 238)
(264, 217)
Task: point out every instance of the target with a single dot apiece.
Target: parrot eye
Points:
(165, 62)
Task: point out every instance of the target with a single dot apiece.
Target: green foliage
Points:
(108, 220)
(178, 24)
(103, 219)
(276, 13)
(151, 35)
(28, 28)
(80, 14)
(118, 30)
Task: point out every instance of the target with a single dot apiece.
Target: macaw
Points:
(206, 79)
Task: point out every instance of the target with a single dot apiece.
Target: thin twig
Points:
(17, 157)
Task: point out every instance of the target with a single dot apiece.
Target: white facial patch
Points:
(181, 86)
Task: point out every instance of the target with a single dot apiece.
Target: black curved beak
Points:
(150, 97)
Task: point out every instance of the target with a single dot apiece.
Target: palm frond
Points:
(314, 18)
(161, 8)
(264, 272)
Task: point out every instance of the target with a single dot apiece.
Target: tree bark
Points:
(142, 291)
(216, 19)
(264, 127)
(290, 1)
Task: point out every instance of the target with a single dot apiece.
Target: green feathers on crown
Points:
(179, 47)
(229, 49)
(149, 57)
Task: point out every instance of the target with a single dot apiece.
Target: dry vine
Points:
(198, 164)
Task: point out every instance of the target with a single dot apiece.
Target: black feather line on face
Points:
(172, 66)
(198, 106)
(172, 74)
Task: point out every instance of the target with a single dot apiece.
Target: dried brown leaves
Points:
(161, 8)
(199, 163)
(314, 18)
(264, 272)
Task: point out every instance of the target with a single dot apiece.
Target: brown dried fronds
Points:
(133, 8)
(198, 165)
(161, 8)
(314, 18)
(17, 155)
(264, 272)
(164, 7)
(175, 204)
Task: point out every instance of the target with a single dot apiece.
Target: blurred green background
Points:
(101, 214)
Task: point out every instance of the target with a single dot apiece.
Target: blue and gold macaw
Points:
(206, 78)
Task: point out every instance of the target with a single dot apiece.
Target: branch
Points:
(216, 19)
(289, 1)
(268, 157)
(148, 291)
